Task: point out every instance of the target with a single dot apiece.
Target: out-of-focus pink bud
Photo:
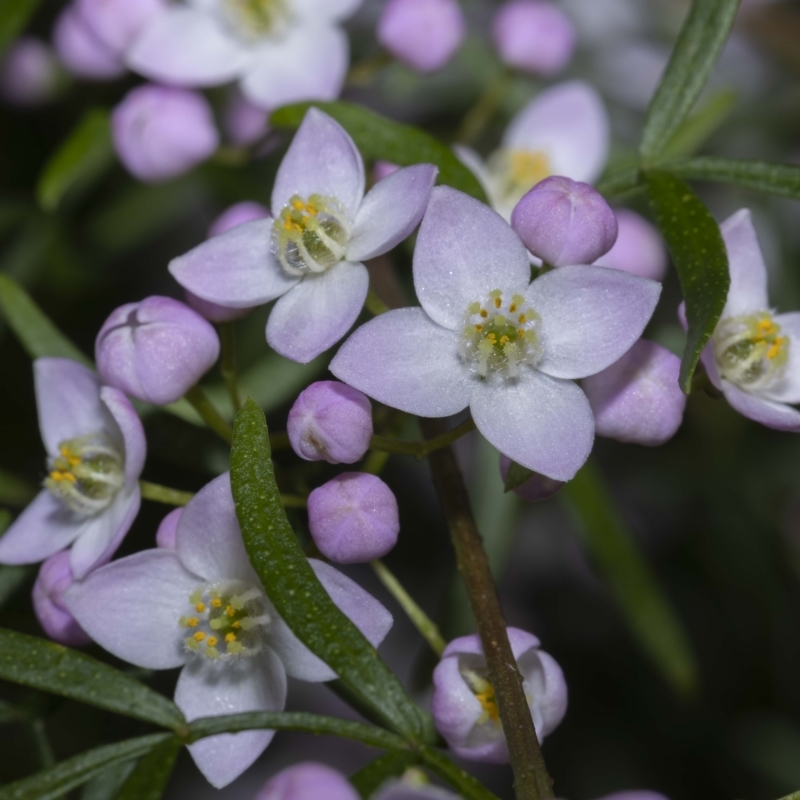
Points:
(244, 123)
(330, 421)
(236, 215)
(423, 34)
(383, 169)
(637, 399)
(308, 781)
(534, 36)
(155, 350)
(81, 52)
(55, 577)
(565, 222)
(353, 518)
(639, 248)
(160, 132)
(116, 23)
(537, 487)
(29, 73)
(165, 535)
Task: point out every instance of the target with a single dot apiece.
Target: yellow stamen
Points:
(211, 641)
(498, 302)
(200, 607)
(230, 637)
(775, 349)
(216, 602)
(199, 636)
(230, 611)
(484, 313)
(192, 622)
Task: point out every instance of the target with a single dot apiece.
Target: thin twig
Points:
(228, 337)
(163, 494)
(203, 406)
(420, 449)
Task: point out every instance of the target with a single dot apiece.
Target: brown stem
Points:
(531, 780)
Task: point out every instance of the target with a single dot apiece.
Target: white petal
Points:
(333, 10)
(787, 390)
(406, 361)
(132, 606)
(543, 423)
(779, 416)
(464, 251)
(748, 290)
(208, 690)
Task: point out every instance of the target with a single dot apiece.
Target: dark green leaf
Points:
(517, 475)
(297, 721)
(293, 587)
(698, 252)
(374, 775)
(12, 579)
(50, 667)
(697, 129)
(763, 176)
(108, 783)
(379, 137)
(9, 713)
(38, 335)
(83, 156)
(793, 796)
(151, 775)
(15, 491)
(620, 182)
(14, 17)
(646, 609)
(459, 779)
(699, 44)
(64, 777)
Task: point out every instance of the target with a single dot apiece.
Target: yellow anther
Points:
(236, 624)
(192, 622)
(211, 641)
(522, 319)
(489, 704)
(521, 333)
(479, 328)
(298, 205)
(498, 302)
(230, 637)
(230, 611)
(484, 313)
(199, 636)
(512, 308)
(504, 339)
(492, 337)
(57, 475)
(216, 602)
(529, 167)
(775, 348)
(200, 607)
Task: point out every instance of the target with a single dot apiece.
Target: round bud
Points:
(29, 73)
(155, 350)
(464, 705)
(308, 781)
(165, 535)
(639, 248)
(638, 399)
(353, 518)
(243, 122)
(534, 36)
(160, 132)
(537, 487)
(383, 169)
(565, 222)
(116, 23)
(55, 577)
(423, 34)
(81, 52)
(236, 215)
(330, 421)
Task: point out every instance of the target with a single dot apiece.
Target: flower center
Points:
(484, 693)
(516, 172)
(500, 336)
(86, 474)
(311, 235)
(251, 20)
(750, 351)
(226, 621)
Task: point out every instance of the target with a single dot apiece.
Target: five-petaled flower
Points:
(309, 254)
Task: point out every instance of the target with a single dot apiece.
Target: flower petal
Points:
(326, 9)
(208, 539)
(132, 431)
(322, 159)
(317, 312)
(569, 124)
(464, 251)
(787, 390)
(208, 690)
(368, 615)
(68, 400)
(748, 291)
(774, 415)
(406, 361)
(132, 606)
(310, 63)
(235, 269)
(591, 316)
(187, 47)
(540, 422)
(390, 211)
(44, 528)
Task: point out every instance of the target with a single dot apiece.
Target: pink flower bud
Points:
(383, 169)
(244, 123)
(29, 73)
(353, 518)
(637, 399)
(308, 781)
(534, 36)
(55, 577)
(116, 23)
(160, 132)
(423, 34)
(81, 52)
(236, 215)
(565, 222)
(464, 705)
(537, 487)
(155, 350)
(639, 248)
(165, 535)
(330, 421)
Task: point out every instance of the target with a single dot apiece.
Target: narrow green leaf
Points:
(467, 786)
(763, 176)
(379, 137)
(50, 667)
(85, 154)
(698, 128)
(699, 44)
(64, 777)
(14, 18)
(793, 796)
(370, 778)
(37, 334)
(150, 776)
(108, 783)
(297, 721)
(620, 182)
(642, 601)
(698, 252)
(293, 587)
